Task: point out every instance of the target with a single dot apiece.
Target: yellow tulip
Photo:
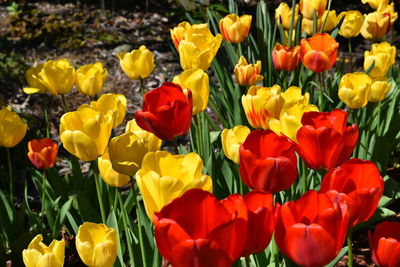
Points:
(374, 4)
(354, 89)
(197, 81)
(54, 76)
(91, 78)
(351, 26)
(382, 55)
(178, 33)
(331, 21)
(97, 244)
(248, 74)
(307, 25)
(199, 47)
(108, 174)
(85, 132)
(375, 26)
(164, 177)
(114, 104)
(284, 13)
(153, 142)
(262, 103)
(388, 10)
(127, 152)
(12, 128)
(137, 64)
(232, 139)
(295, 106)
(39, 255)
(307, 8)
(234, 28)
(379, 89)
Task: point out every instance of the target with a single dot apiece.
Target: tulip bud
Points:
(285, 58)
(137, 64)
(97, 244)
(38, 254)
(351, 25)
(283, 13)
(178, 33)
(379, 89)
(354, 89)
(382, 55)
(307, 8)
(85, 132)
(197, 81)
(54, 76)
(231, 140)
(112, 104)
(235, 29)
(375, 26)
(12, 128)
(91, 78)
(108, 174)
(248, 74)
(42, 153)
(262, 103)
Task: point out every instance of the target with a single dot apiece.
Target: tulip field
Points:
(221, 133)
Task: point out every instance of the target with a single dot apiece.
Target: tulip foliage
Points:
(265, 149)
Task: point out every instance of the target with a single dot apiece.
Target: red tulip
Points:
(261, 221)
(385, 244)
(267, 161)
(312, 229)
(285, 58)
(318, 53)
(42, 153)
(324, 140)
(166, 112)
(196, 229)
(350, 181)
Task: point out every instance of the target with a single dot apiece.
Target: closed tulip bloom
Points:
(42, 153)
(163, 177)
(234, 28)
(262, 103)
(39, 255)
(248, 74)
(199, 230)
(374, 4)
(153, 142)
(178, 33)
(283, 13)
(85, 132)
(318, 53)
(375, 26)
(307, 25)
(166, 112)
(307, 8)
(12, 128)
(349, 180)
(97, 244)
(231, 140)
(54, 76)
(379, 89)
(351, 25)
(325, 141)
(311, 230)
(260, 222)
(127, 152)
(197, 81)
(267, 161)
(91, 78)
(137, 64)
(108, 174)
(382, 55)
(385, 244)
(354, 89)
(198, 47)
(285, 58)
(331, 21)
(389, 10)
(111, 104)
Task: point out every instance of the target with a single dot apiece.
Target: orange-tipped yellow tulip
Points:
(137, 64)
(12, 128)
(354, 89)
(248, 74)
(91, 78)
(231, 140)
(39, 255)
(178, 33)
(234, 29)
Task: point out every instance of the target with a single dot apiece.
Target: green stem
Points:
(239, 50)
(350, 249)
(46, 120)
(303, 173)
(247, 259)
(10, 173)
(142, 86)
(126, 226)
(99, 197)
(351, 56)
(292, 23)
(142, 250)
(64, 104)
(43, 192)
(326, 18)
(175, 145)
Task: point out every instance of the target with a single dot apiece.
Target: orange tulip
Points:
(285, 58)
(42, 153)
(318, 53)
